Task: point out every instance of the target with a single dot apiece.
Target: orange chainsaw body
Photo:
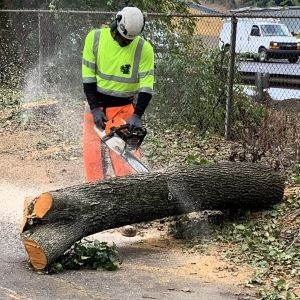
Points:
(114, 123)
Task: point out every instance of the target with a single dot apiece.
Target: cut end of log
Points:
(43, 204)
(36, 255)
(27, 201)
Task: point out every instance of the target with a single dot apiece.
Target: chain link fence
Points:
(225, 74)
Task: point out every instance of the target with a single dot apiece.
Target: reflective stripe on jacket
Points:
(118, 71)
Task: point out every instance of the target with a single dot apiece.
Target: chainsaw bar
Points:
(118, 145)
(134, 162)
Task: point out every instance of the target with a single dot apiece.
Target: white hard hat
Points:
(130, 22)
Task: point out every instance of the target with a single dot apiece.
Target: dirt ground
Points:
(155, 266)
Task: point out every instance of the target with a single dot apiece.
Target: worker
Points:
(118, 77)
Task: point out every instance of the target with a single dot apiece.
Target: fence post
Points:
(228, 118)
(261, 83)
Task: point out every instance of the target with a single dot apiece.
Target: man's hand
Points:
(99, 117)
(134, 121)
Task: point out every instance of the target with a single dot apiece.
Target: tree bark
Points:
(55, 220)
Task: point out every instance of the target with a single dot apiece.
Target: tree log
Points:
(55, 220)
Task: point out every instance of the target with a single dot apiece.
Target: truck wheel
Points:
(262, 55)
(293, 59)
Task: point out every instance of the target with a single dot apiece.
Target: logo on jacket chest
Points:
(125, 69)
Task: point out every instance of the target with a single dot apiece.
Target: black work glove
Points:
(134, 121)
(99, 117)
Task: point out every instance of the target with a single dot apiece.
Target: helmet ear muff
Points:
(114, 23)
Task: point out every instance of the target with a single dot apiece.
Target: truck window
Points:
(275, 30)
(255, 31)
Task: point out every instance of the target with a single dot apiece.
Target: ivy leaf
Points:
(240, 227)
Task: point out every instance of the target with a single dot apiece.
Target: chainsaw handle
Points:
(131, 130)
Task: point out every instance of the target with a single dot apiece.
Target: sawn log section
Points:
(55, 220)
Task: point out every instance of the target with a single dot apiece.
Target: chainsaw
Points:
(124, 140)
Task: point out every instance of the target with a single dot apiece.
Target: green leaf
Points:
(84, 257)
(245, 247)
(271, 239)
(240, 227)
(291, 296)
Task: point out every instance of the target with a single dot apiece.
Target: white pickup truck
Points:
(261, 40)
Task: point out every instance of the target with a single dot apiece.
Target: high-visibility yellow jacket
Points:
(118, 71)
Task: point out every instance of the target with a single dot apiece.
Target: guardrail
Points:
(271, 80)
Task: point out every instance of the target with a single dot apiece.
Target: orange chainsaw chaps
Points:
(91, 150)
(92, 156)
